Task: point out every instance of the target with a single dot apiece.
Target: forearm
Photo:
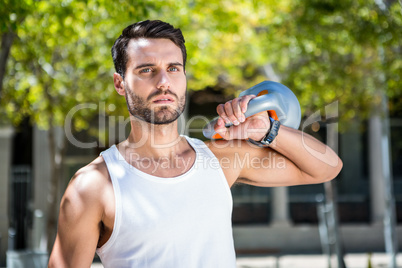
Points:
(310, 155)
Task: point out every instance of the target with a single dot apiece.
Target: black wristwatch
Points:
(270, 136)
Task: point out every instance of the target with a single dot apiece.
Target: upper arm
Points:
(79, 223)
(246, 163)
(269, 168)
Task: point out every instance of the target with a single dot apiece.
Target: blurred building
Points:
(266, 220)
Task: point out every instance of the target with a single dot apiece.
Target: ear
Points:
(119, 84)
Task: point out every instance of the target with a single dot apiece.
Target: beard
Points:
(161, 115)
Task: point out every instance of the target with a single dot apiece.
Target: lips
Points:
(163, 99)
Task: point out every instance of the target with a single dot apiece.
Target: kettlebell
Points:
(280, 102)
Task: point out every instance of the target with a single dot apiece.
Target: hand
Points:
(232, 113)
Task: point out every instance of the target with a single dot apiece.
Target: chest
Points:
(176, 207)
(165, 167)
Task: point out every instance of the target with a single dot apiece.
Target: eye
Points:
(146, 70)
(173, 69)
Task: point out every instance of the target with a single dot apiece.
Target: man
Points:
(159, 199)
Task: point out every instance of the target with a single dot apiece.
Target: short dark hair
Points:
(145, 29)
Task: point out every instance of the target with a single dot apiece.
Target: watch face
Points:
(269, 138)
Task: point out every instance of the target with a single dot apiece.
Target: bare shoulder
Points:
(87, 188)
(231, 148)
(239, 159)
(91, 179)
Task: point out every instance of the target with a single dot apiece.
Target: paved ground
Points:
(378, 260)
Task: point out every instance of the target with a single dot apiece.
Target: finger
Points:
(222, 131)
(230, 108)
(220, 109)
(238, 115)
(244, 102)
(233, 132)
(220, 122)
(230, 114)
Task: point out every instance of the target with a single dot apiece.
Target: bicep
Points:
(245, 163)
(267, 168)
(78, 231)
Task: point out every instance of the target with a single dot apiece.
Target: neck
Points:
(152, 140)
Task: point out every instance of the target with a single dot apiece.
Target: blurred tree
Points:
(332, 52)
(9, 22)
(323, 50)
(58, 54)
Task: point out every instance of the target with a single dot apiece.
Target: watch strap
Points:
(270, 136)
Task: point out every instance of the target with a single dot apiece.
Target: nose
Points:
(163, 81)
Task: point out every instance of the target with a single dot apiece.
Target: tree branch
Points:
(7, 39)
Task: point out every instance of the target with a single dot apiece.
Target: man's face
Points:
(155, 81)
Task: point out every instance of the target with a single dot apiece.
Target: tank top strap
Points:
(200, 147)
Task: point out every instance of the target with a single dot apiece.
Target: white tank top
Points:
(184, 221)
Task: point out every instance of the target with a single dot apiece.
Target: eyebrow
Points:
(151, 65)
